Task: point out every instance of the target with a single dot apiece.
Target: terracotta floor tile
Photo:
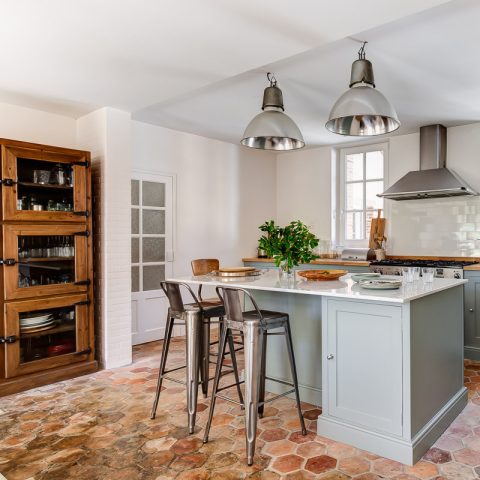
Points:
(287, 463)
(279, 448)
(311, 449)
(422, 469)
(354, 465)
(467, 456)
(320, 464)
(437, 455)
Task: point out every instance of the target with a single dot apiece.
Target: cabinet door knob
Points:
(329, 356)
(470, 309)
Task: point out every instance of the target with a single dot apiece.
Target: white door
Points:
(152, 253)
(364, 364)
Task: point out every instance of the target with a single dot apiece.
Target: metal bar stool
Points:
(204, 266)
(255, 326)
(193, 316)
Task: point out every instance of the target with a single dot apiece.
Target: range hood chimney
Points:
(433, 180)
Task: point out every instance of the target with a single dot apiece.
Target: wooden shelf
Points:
(45, 259)
(45, 185)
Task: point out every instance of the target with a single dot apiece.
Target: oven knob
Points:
(398, 273)
(456, 275)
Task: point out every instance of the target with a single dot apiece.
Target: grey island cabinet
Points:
(386, 366)
(472, 314)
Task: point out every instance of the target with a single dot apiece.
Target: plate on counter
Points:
(322, 275)
(357, 277)
(380, 284)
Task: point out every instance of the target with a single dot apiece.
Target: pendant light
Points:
(272, 129)
(362, 110)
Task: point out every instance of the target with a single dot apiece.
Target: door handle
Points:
(330, 356)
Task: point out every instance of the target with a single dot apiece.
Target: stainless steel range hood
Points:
(433, 180)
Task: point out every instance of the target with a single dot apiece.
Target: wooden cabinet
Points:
(44, 185)
(363, 364)
(472, 315)
(46, 275)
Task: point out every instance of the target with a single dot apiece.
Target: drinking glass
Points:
(415, 273)
(407, 274)
(427, 275)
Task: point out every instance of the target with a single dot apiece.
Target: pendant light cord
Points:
(361, 52)
(271, 78)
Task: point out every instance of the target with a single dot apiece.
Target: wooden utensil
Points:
(377, 231)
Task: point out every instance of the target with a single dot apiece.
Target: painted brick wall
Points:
(106, 133)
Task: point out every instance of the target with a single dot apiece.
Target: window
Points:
(362, 174)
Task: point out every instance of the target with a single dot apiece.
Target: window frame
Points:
(341, 216)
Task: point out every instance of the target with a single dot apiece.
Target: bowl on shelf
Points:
(322, 275)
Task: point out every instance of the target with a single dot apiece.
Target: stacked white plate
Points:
(37, 321)
(380, 284)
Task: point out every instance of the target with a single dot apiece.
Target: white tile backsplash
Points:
(444, 227)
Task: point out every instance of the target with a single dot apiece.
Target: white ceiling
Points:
(198, 66)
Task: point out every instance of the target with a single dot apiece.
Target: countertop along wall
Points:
(438, 227)
(223, 192)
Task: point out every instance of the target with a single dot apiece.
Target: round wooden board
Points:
(236, 269)
(322, 275)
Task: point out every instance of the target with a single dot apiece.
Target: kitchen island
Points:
(386, 366)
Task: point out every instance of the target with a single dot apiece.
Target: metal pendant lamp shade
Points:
(272, 129)
(362, 110)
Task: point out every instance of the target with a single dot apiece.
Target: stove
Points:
(443, 268)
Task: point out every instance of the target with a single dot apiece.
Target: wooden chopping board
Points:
(377, 230)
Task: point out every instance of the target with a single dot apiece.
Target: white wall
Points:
(444, 227)
(304, 189)
(29, 125)
(223, 192)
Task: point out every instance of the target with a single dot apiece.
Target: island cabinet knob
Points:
(329, 356)
(470, 309)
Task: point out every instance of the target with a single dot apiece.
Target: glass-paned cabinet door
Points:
(42, 185)
(44, 260)
(47, 333)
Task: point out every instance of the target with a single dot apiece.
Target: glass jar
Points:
(58, 175)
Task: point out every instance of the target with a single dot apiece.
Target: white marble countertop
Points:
(345, 287)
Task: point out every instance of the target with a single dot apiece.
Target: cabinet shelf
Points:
(45, 185)
(45, 259)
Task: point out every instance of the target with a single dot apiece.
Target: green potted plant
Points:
(288, 246)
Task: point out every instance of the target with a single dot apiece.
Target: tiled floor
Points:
(98, 427)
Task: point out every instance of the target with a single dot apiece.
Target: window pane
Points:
(153, 194)
(374, 167)
(152, 276)
(135, 251)
(135, 192)
(153, 249)
(153, 221)
(135, 285)
(354, 167)
(371, 190)
(354, 226)
(135, 216)
(354, 196)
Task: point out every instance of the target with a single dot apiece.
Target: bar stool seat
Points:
(255, 326)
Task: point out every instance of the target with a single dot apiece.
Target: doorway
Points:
(152, 253)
